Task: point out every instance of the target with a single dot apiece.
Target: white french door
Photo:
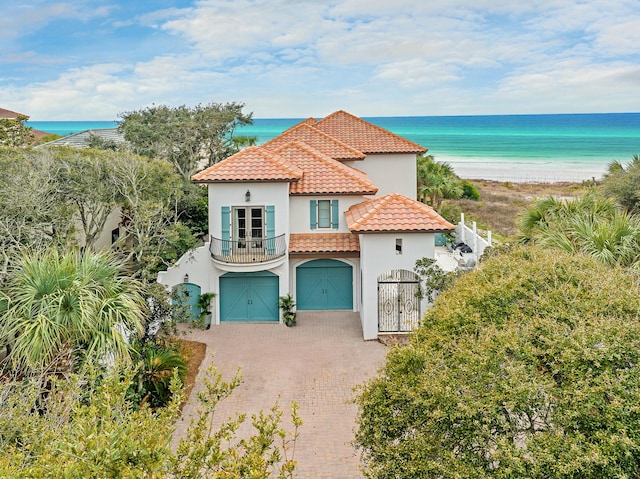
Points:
(248, 229)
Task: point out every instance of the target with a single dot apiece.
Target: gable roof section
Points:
(317, 139)
(10, 115)
(251, 164)
(394, 213)
(323, 243)
(311, 121)
(365, 136)
(322, 174)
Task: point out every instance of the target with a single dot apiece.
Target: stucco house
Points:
(326, 211)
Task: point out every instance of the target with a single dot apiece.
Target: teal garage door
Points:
(324, 284)
(249, 296)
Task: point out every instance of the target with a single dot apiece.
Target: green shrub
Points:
(527, 367)
(469, 191)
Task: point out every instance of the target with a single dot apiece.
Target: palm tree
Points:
(590, 224)
(436, 181)
(62, 307)
(622, 182)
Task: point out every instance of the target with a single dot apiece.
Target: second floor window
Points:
(324, 214)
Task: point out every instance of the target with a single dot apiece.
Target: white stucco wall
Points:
(299, 221)
(262, 194)
(391, 173)
(196, 263)
(104, 239)
(377, 256)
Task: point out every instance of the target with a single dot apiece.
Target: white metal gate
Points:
(398, 303)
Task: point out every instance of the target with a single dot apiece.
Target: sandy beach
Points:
(523, 171)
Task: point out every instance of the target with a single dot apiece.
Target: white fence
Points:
(471, 237)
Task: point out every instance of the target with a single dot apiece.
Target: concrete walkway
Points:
(316, 363)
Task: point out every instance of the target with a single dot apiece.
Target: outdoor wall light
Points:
(247, 196)
(186, 278)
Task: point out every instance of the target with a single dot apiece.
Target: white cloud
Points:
(22, 18)
(297, 58)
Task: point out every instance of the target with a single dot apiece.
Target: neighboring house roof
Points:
(322, 174)
(394, 212)
(323, 243)
(251, 164)
(81, 139)
(319, 140)
(10, 115)
(365, 136)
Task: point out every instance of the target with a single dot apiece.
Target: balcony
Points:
(249, 250)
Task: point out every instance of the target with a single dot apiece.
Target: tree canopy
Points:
(62, 197)
(528, 367)
(187, 137)
(13, 131)
(437, 181)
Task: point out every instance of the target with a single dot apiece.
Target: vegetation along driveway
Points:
(317, 363)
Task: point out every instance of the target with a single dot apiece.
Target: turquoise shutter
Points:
(271, 228)
(226, 229)
(335, 218)
(313, 211)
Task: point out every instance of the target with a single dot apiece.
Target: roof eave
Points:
(441, 230)
(245, 181)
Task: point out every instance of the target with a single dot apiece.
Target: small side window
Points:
(324, 214)
(398, 245)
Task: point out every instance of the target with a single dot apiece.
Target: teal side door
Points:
(324, 284)
(187, 294)
(249, 297)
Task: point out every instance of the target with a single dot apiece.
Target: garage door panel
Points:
(309, 289)
(324, 285)
(339, 288)
(234, 304)
(264, 299)
(249, 297)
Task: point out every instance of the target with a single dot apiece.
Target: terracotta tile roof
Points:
(322, 174)
(324, 243)
(307, 121)
(365, 136)
(251, 164)
(10, 115)
(317, 139)
(394, 212)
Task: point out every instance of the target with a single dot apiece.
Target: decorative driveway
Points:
(317, 363)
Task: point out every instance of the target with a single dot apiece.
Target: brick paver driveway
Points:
(316, 363)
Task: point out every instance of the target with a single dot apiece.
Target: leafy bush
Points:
(622, 182)
(469, 191)
(527, 367)
(84, 425)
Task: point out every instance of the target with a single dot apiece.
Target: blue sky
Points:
(93, 59)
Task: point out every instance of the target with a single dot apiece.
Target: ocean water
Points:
(571, 147)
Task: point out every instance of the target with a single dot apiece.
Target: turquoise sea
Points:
(499, 147)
